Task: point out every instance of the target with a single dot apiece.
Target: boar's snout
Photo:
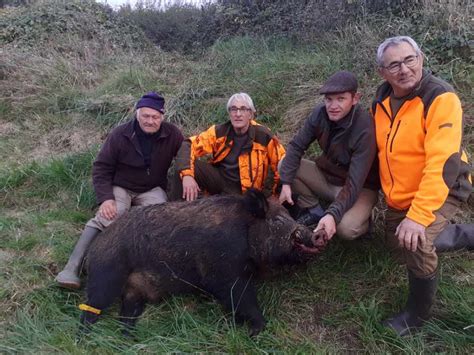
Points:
(320, 239)
(309, 242)
(304, 241)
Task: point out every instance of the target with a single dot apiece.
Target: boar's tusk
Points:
(298, 235)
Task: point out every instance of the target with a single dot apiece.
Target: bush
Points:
(442, 26)
(60, 24)
(178, 28)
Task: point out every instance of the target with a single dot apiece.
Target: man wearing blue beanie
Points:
(130, 169)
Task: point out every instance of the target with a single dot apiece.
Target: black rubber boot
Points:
(312, 216)
(418, 308)
(455, 237)
(69, 277)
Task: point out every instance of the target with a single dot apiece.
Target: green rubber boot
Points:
(69, 277)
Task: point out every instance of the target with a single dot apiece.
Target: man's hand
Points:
(408, 233)
(190, 188)
(108, 209)
(328, 224)
(285, 194)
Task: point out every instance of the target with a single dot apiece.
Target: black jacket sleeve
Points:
(183, 156)
(363, 148)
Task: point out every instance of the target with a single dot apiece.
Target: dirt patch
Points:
(60, 142)
(8, 128)
(294, 118)
(6, 256)
(309, 322)
(39, 143)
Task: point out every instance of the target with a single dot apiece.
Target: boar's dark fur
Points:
(213, 245)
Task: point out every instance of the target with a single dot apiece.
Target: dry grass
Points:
(299, 111)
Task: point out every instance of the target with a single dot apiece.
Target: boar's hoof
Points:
(256, 328)
(129, 333)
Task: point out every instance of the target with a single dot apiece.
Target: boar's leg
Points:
(87, 319)
(239, 297)
(133, 305)
(104, 285)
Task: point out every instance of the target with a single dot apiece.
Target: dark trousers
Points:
(210, 179)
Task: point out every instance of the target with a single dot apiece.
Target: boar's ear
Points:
(256, 203)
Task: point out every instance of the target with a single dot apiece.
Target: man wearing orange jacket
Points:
(423, 169)
(240, 153)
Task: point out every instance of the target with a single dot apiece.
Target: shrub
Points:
(178, 28)
(60, 24)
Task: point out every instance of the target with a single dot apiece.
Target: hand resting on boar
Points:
(212, 245)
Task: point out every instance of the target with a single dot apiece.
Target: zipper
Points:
(250, 169)
(139, 151)
(393, 137)
(386, 147)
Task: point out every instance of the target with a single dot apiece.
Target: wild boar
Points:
(213, 245)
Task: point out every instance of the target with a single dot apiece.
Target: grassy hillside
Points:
(69, 71)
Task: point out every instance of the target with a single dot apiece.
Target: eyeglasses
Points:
(234, 109)
(410, 62)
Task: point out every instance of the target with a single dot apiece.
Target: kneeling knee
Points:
(347, 232)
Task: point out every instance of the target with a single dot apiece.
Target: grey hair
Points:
(395, 41)
(243, 97)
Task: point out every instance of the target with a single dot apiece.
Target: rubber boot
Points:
(455, 237)
(418, 308)
(69, 277)
(312, 216)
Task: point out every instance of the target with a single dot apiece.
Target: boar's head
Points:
(278, 239)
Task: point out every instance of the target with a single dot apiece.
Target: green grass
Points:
(335, 304)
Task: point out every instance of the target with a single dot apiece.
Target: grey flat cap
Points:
(341, 81)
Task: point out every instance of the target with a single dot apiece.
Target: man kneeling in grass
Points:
(344, 175)
(424, 170)
(130, 169)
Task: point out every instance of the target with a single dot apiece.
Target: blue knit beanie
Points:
(152, 100)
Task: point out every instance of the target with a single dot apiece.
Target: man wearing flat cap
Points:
(344, 177)
(130, 169)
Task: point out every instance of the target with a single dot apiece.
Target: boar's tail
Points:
(256, 203)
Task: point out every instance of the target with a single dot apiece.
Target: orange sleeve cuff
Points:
(420, 218)
(186, 172)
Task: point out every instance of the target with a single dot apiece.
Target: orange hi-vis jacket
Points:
(216, 143)
(419, 149)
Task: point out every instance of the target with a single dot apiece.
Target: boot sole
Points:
(70, 286)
